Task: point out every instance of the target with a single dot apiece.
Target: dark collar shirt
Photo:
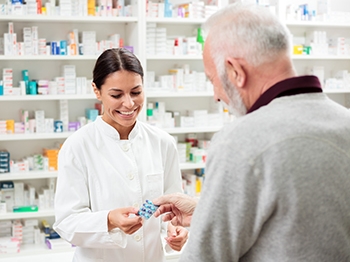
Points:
(290, 86)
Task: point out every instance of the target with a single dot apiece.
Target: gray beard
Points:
(236, 106)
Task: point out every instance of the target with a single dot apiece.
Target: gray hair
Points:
(246, 31)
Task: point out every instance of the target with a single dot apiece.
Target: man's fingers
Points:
(163, 209)
(174, 221)
(162, 200)
(168, 217)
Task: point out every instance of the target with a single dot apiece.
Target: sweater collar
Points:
(287, 87)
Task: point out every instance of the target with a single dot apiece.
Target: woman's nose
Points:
(128, 101)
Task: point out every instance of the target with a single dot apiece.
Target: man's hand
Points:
(178, 208)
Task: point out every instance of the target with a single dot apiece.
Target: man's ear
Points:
(235, 72)
(96, 91)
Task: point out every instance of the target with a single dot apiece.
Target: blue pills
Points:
(147, 209)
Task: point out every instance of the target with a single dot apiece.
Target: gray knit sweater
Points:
(277, 186)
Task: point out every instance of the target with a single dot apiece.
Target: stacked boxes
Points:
(42, 47)
(151, 38)
(200, 117)
(7, 194)
(43, 87)
(10, 126)
(10, 41)
(4, 161)
(65, 7)
(9, 245)
(200, 81)
(24, 114)
(183, 150)
(5, 231)
(210, 10)
(18, 128)
(193, 10)
(40, 121)
(17, 230)
(64, 117)
(161, 41)
(32, 7)
(91, 114)
(27, 40)
(7, 81)
(19, 193)
(19, 166)
(31, 231)
(52, 155)
(39, 162)
(69, 76)
(89, 42)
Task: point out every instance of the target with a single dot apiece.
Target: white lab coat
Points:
(99, 172)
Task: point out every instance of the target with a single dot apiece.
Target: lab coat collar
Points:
(110, 131)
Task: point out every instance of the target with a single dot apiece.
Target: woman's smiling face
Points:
(122, 98)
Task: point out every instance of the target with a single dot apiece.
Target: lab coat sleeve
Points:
(172, 178)
(172, 172)
(74, 220)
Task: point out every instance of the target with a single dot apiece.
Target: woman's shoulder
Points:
(155, 131)
(81, 134)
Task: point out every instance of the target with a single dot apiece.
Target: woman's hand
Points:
(121, 219)
(177, 237)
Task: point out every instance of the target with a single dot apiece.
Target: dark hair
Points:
(113, 60)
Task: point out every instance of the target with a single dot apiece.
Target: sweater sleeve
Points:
(75, 222)
(233, 207)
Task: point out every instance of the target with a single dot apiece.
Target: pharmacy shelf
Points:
(185, 130)
(153, 94)
(168, 20)
(323, 57)
(186, 166)
(173, 57)
(35, 136)
(20, 215)
(46, 97)
(50, 174)
(35, 249)
(67, 19)
(47, 57)
(27, 175)
(29, 250)
(323, 24)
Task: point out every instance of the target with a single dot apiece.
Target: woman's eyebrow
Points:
(116, 89)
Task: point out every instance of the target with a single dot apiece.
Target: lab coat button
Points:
(126, 147)
(135, 205)
(137, 237)
(131, 176)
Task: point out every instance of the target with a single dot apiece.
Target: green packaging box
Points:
(33, 208)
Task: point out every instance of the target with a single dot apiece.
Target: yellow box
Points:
(297, 50)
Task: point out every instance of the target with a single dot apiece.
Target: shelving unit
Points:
(28, 175)
(38, 214)
(52, 28)
(47, 97)
(132, 29)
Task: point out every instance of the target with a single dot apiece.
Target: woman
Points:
(108, 168)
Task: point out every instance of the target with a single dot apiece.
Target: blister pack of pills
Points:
(147, 209)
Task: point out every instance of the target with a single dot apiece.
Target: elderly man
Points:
(277, 182)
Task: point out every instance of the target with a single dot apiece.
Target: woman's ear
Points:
(235, 72)
(96, 91)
